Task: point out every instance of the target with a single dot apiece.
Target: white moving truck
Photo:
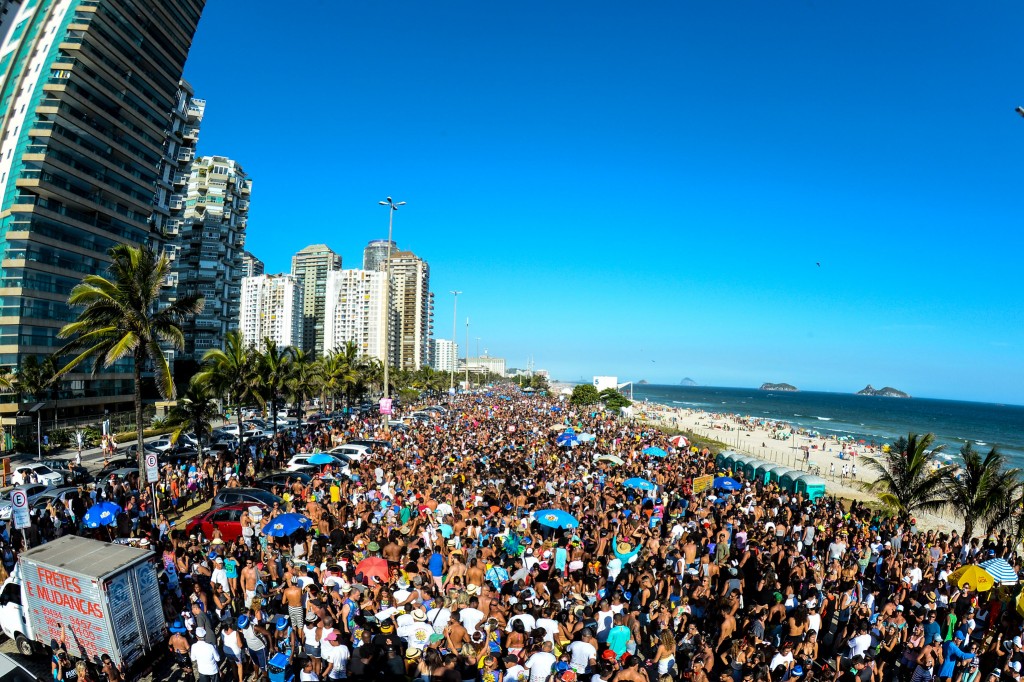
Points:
(97, 597)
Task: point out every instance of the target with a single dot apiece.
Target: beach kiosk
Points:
(812, 487)
(761, 471)
(777, 471)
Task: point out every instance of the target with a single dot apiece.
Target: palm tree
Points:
(983, 488)
(339, 372)
(8, 381)
(908, 476)
(275, 376)
(232, 372)
(304, 380)
(195, 411)
(119, 320)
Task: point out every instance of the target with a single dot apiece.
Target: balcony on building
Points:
(185, 155)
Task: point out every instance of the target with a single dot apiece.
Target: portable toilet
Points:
(812, 487)
(776, 472)
(787, 481)
(724, 459)
(749, 467)
(737, 463)
(761, 471)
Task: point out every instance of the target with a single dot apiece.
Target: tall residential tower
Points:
(413, 306)
(87, 88)
(310, 266)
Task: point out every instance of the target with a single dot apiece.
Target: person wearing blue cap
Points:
(284, 636)
(257, 639)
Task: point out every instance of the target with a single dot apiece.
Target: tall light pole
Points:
(467, 353)
(392, 207)
(455, 322)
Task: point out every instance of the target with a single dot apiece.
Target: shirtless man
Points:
(292, 598)
(455, 634)
(631, 671)
(249, 580)
(475, 574)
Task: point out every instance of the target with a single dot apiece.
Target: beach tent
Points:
(812, 487)
(776, 472)
(761, 472)
(750, 468)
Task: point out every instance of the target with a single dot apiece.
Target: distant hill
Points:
(642, 382)
(779, 387)
(885, 392)
(688, 382)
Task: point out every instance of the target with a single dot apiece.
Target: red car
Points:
(228, 520)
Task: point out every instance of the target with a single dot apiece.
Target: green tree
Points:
(909, 477)
(304, 380)
(583, 395)
(275, 376)
(983, 489)
(8, 381)
(119, 320)
(232, 373)
(195, 411)
(613, 400)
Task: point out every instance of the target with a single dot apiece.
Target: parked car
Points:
(230, 496)
(114, 465)
(371, 443)
(158, 445)
(301, 462)
(228, 520)
(280, 480)
(68, 469)
(55, 495)
(32, 491)
(43, 474)
(352, 452)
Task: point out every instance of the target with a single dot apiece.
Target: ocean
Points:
(881, 420)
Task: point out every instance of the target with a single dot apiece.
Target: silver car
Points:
(33, 491)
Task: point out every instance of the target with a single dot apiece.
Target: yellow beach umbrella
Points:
(977, 577)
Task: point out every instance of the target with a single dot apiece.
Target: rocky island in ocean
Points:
(687, 382)
(778, 387)
(885, 392)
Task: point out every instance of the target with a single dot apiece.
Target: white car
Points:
(44, 474)
(161, 444)
(231, 429)
(300, 462)
(355, 453)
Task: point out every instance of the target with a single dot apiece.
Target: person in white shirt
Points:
(438, 618)
(604, 621)
(219, 576)
(513, 671)
(860, 643)
(583, 652)
(336, 659)
(471, 616)
(529, 622)
(205, 658)
(541, 663)
(550, 627)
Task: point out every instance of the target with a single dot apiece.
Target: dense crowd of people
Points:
(427, 561)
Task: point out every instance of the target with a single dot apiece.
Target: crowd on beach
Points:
(478, 546)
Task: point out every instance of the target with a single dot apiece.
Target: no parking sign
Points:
(19, 506)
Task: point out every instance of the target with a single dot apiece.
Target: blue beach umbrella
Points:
(587, 437)
(568, 440)
(1001, 570)
(556, 518)
(726, 483)
(286, 524)
(655, 452)
(321, 458)
(639, 484)
(102, 514)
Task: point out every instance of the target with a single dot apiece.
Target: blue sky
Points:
(646, 189)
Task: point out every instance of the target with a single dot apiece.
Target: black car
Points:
(245, 496)
(281, 480)
(72, 474)
(115, 464)
(371, 443)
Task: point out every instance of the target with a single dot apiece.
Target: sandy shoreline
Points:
(776, 442)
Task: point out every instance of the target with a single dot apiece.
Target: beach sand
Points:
(825, 456)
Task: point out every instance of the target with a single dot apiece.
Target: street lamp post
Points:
(455, 321)
(467, 353)
(392, 207)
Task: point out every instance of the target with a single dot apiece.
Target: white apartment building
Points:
(271, 307)
(354, 311)
(486, 363)
(412, 303)
(445, 355)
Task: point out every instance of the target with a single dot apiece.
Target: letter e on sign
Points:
(19, 509)
(152, 472)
